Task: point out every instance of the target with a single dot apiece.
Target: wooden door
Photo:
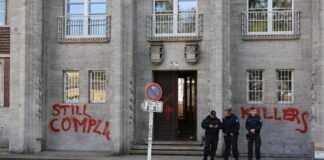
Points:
(166, 123)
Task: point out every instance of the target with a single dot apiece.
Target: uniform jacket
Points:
(231, 124)
(211, 121)
(254, 123)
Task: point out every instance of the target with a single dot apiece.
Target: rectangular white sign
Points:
(152, 106)
(319, 155)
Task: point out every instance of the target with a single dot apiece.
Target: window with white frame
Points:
(255, 86)
(97, 86)
(86, 18)
(270, 16)
(285, 86)
(175, 16)
(2, 12)
(71, 86)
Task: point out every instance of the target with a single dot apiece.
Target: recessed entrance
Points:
(179, 118)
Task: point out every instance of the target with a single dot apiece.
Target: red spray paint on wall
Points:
(168, 109)
(292, 114)
(78, 121)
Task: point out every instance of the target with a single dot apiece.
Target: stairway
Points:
(190, 148)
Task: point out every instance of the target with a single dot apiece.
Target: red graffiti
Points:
(78, 121)
(291, 114)
(168, 110)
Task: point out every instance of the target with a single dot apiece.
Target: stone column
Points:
(25, 20)
(318, 72)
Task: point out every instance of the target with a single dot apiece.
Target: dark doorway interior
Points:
(179, 118)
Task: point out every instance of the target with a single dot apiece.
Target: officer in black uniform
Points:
(212, 125)
(231, 127)
(253, 124)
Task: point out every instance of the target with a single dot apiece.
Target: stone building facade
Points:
(73, 72)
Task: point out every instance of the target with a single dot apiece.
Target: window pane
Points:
(76, 9)
(164, 23)
(257, 21)
(97, 25)
(74, 26)
(2, 12)
(187, 6)
(282, 4)
(75, 1)
(164, 6)
(258, 4)
(97, 1)
(97, 8)
(2, 18)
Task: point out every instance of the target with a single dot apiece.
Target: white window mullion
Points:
(175, 16)
(270, 16)
(86, 18)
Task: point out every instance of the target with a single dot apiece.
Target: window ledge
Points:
(84, 40)
(271, 37)
(174, 38)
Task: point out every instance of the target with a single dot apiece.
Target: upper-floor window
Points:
(175, 18)
(2, 12)
(84, 19)
(271, 17)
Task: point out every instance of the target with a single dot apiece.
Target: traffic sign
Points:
(153, 106)
(153, 92)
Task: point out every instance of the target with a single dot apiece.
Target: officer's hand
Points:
(232, 134)
(211, 126)
(252, 131)
(225, 134)
(216, 126)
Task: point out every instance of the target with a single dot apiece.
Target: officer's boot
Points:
(205, 158)
(211, 157)
(225, 158)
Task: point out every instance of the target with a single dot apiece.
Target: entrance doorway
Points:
(179, 118)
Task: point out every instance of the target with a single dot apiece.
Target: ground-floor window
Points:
(255, 86)
(71, 86)
(285, 86)
(97, 86)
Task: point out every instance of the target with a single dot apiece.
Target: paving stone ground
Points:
(57, 155)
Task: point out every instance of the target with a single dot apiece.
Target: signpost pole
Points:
(149, 148)
(153, 93)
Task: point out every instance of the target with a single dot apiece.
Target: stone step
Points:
(195, 143)
(169, 147)
(167, 152)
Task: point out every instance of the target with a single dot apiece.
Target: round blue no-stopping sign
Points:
(153, 92)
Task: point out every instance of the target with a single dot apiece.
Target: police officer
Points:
(253, 124)
(212, 125)
(230, 126)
